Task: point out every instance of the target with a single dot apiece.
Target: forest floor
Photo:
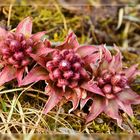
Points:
(94, 22)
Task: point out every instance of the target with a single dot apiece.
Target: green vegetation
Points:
(21, 108)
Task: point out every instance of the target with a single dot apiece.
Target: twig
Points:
(20, 89)
(9, 15)
(124, 116)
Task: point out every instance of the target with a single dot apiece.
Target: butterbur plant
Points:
(65, 68)
(15, 50)
(113, 83)
(71, 72)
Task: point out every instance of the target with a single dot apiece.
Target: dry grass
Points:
(21, 108)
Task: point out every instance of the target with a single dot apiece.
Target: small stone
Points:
(99, 120)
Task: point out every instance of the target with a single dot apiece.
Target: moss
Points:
(57, 21)
(100, 128)
(136, 123)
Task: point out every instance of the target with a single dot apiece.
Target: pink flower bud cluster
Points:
(15, 49)
(112, 83)
(66, 68)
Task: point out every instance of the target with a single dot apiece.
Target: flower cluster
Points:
(111, 83)
(15, 50)
(72, 72)
(66, 68)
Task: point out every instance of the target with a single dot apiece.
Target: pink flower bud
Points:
(74, 59)
(25, 62)
(101, 82)
(68, 74)
(76, 76)
(29, 42)
(23, 43)
(57, 59)
(5, 57)
(71, 50)
(65, 52)
(116, 89)
(84, 73)
(57, 73)
(123, 81)
(10, 35)
(78, 58)
(73, 84)
(64, 65)
(51, 76)
(62, 82)
(14, 45)
(76, 66)
(7, 42)
(55, 53)
(11, 60)
(29, 49)
(18, 55)
(107, 77)
(49, 66)
(81, 62)
(69, 57)
(20, 37)
(5, 51)
(107, 89)
(115, 79)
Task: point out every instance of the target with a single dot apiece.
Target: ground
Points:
(95, 22)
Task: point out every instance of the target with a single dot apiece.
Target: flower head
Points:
(113, 84)
(15, 50)
(67, 67)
